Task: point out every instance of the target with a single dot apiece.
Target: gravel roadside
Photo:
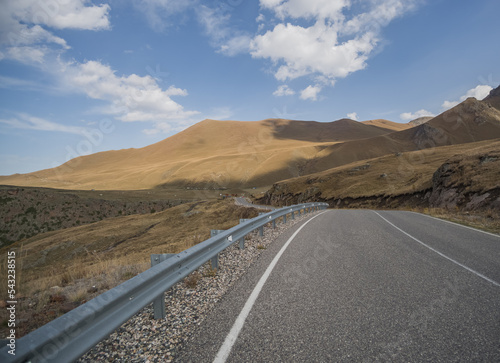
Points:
(143, 339)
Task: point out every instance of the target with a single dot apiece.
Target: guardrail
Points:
(68, 337)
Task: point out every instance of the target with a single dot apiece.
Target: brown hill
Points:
(210, 154)
(231, 154)
(470, 121)
(388, 125)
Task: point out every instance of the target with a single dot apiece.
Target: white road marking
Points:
(458, 224)
(226, 347)
(441, 254)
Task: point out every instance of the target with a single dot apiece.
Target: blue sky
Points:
(79, 77)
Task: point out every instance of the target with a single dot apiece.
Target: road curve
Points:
(244, 202)
(363, 286)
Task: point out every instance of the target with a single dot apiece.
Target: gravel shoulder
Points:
(143, 339)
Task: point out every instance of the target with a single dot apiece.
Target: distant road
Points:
(245, 203)
(362, 286)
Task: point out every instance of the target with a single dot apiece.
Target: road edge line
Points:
(458, 224)
(227, 346)
(441, 254)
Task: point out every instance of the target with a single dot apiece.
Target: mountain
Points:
(234, 154)
(210, 154)
(451, 161)
(470, 121)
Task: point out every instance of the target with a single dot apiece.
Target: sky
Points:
(80, 77)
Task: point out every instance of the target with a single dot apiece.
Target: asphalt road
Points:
(245, 203)
(362, 286)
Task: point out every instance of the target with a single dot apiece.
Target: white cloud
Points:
(480, 92)
(321, 9)
(67, 14)
(353, 116)
(408, 116)
(333, 45)
(23, 38)
(28, 122)
(131, 98)
(310, 93)
(283, 90)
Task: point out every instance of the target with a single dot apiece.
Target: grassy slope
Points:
(105, 253)
(390, 175)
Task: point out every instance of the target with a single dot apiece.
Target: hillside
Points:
(470, 121)
(462, 177)
(388, 125)
(57, 271)
(27, 211)
(210, 154)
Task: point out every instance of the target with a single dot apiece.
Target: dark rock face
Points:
(467, 183)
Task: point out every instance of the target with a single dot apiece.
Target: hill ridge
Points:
(245, 154)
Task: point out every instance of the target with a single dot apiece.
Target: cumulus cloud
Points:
(480, 92)
(353, 116)
(322, 38)
(283, 90)
(408, 116)
(306, 8)
(310, 93)
(68, 14)
(22, 33)
(131, 98)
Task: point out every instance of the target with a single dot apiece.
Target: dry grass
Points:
(391, 175)
(81, 262)
(192, 280)
(488, 221)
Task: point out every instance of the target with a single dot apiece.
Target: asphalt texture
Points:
(365, 286)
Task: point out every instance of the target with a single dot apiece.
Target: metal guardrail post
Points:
(214, 261)
(274, 223)
(261, 228)
(242, 240)
(284, 219)
(159, 302)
